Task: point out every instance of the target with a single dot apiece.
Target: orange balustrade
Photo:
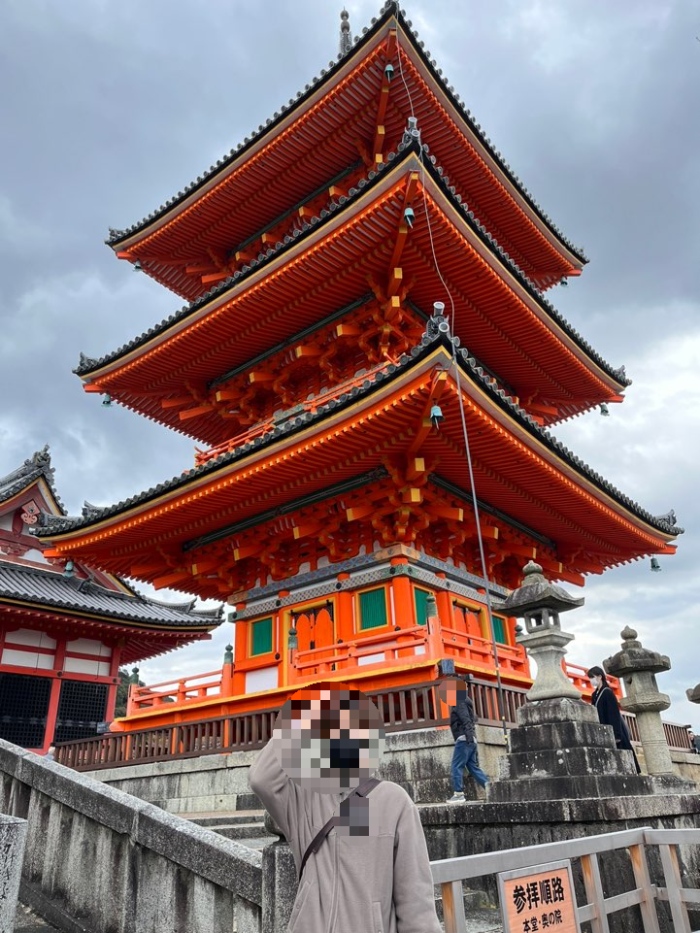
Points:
(178, 692)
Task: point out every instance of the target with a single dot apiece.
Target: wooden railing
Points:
(403, 709)
(676, 736)
(676, 850)
(165, 743)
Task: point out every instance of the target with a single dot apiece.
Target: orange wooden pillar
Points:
(443, 598)
(240, 655)
(434, 646)
(52, 712)
(344, 628)
(404, 608)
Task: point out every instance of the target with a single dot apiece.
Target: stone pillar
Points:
(638, 667)
(13, 833)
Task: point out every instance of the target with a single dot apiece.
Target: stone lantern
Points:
(539, 603)
(559, 749)
(638, 667)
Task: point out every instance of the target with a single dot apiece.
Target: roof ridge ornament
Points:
(345, 36)
(39, 461)
(89, 510)
(668, 519)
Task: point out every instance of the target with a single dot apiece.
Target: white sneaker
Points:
(456, 798)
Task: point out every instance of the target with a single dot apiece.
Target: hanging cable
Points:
(472, 485)
(425, 198)
(482, 555)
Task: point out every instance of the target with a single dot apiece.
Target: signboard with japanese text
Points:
(539, 898)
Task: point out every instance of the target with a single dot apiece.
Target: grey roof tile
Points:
(55, 591)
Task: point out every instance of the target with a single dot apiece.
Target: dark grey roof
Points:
(37, 466)
(405, 148)
(389, 9)
(296, 422)
(53, 590)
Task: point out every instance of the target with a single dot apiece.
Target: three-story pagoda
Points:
(331, 496)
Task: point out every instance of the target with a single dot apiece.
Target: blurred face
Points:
(596, 681)
(329, 740)
(451, 690)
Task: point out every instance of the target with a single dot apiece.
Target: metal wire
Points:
(465, 432)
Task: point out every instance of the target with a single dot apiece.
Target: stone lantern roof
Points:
(634, 657)
(537, 593)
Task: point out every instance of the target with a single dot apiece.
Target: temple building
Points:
(65, 626)
(365, 281)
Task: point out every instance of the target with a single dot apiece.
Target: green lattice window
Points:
(499, 630)
(262, 636)
(421, 599)
(373, 608)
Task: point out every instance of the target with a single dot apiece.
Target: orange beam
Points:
(170, 578)
(177, 402)
(194, 412)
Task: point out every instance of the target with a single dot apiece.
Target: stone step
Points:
(214, 818)
(239, 831)
(257, 842)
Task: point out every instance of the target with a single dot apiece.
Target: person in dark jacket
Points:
(608, 710)
(462, 724)
(694, 742)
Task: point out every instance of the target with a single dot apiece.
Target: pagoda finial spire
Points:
(345, 37)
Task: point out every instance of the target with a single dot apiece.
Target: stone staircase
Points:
(244, 826)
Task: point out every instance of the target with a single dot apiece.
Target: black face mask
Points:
(345, 753)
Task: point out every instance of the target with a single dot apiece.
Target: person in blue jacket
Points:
(462, 723)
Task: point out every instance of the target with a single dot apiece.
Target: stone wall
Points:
(13, 832)
(102, 861)
(419, 761)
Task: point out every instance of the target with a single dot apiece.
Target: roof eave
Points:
(391, 17)
(407, 367)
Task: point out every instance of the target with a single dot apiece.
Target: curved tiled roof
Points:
(431, 339)
(53, 590)
(36, 467)
(404, 149)
(390, 9)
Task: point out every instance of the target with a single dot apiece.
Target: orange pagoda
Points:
(330, 500)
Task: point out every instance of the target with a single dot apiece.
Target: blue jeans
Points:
(466, 755)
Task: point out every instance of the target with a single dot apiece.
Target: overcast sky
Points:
(108, 109)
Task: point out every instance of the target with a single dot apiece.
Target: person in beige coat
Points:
(371, 872)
